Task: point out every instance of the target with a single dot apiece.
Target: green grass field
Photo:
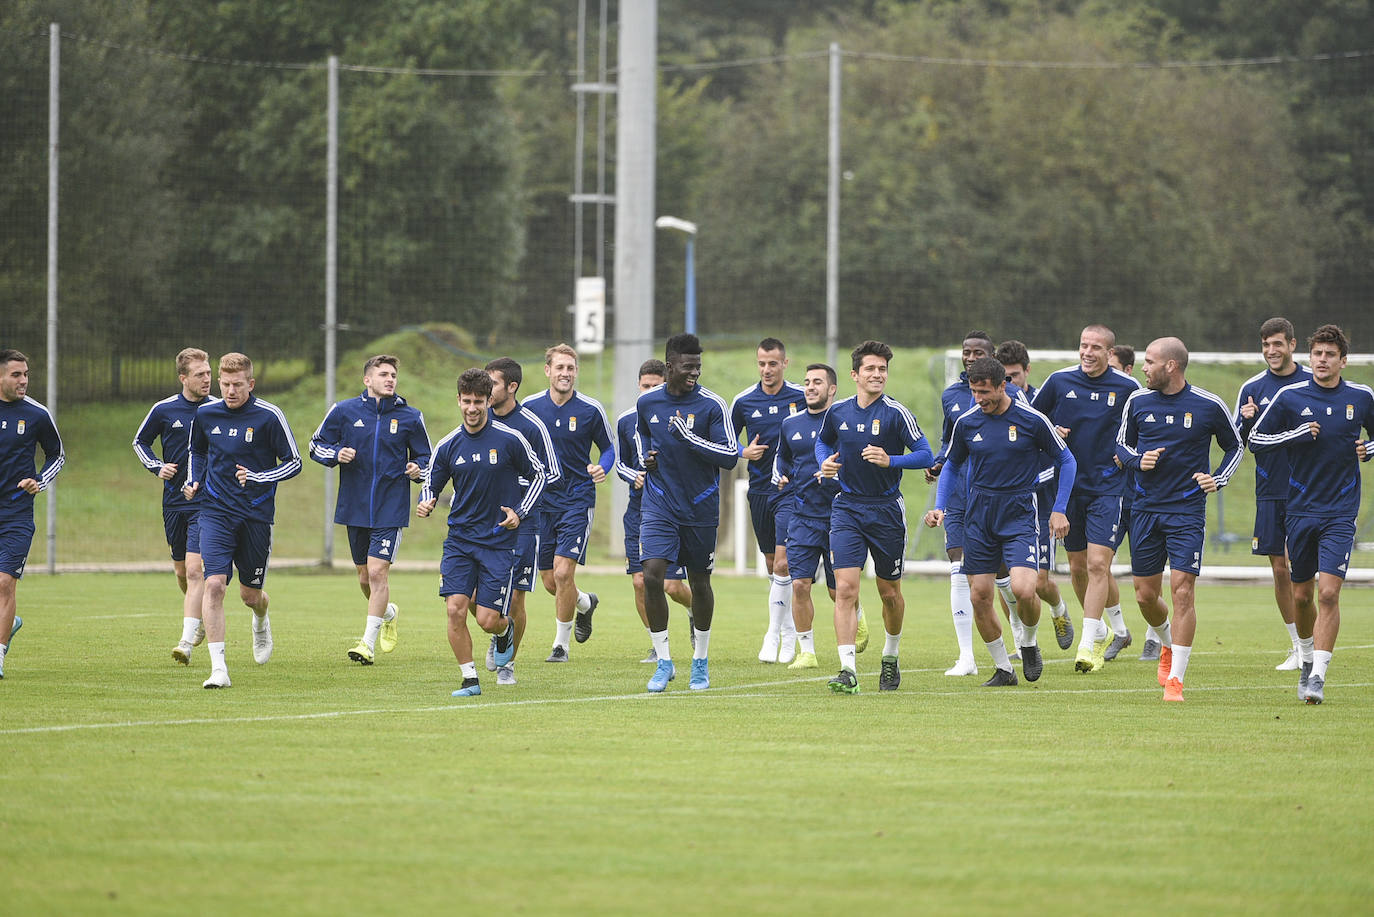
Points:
(315, 786)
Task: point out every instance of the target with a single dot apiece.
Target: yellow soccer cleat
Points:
(361, 653)
(386, 639)
(805, 661)
(861, 635)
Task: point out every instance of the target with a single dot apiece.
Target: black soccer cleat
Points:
(582, 629)
(890, 676)
(1032, 664)
(1002, 678)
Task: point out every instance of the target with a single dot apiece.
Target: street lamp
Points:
(691, 230)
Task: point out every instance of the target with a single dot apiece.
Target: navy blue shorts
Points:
(1093, 520)
(954, 520)
(379, 543)
(16, 536)
(690, 546)
(1044, 501)
(183, 532)
(808, 548)
(528, 537)
(564, 533)
(763, 511)
(485, 575)
(633, 563)
(1000, 529)
(860, 529)
(1319, 545)
(1271, 530)
(230, 542)
(1177, 537)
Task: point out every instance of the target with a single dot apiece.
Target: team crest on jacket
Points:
(248, 435)
(792, 408)
(1011, 433)
(691, 421)
(1349, 412)
(877, 426)
(394, 424)
(1111, 398)
(491, 457)
(1187, 419)
(20, 427)
(572, 424)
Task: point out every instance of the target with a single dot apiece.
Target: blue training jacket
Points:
(387, 433)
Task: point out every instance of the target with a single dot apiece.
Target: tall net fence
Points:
(1192, 198)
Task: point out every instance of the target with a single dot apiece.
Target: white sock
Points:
(847, 658)
(564, 634)
(891, 643)
(961, 607)
(1004, 587)
(1117, 621)
(1028, 634)
(1179, 666)
(188, 629)
(390, 613)
(584, 601)
(1306, 650)
(1000, 659)
(1292, 634)
(374, 626)
(779, 603)
(469, 669)
(260, 623)
(808, 641)
(1151, 633)
(217, 657)
(1061, 610)
(1166, 636)
(4, 648)
(660, 641)
(703, 644)
(1320, 660)
(1090, 626)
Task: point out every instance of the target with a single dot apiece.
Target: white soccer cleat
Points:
(182, 652)
(964, 666)
(262, 640)
(200, 634)
(769, 651)
(787, 648)
(219, 678)
(1291, 664)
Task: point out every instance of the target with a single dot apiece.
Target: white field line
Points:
(732, 692)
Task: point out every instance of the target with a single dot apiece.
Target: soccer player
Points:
(955, 400)
(1014, 356)
(862, 443)
(1085, 403)
(1165, 436)
(506, 376)
(25, 427)
(486, 461)
(1277, 343)
(379, 443)
(241, 449)
(574, 422)
(170, 420)
(1122, 359)
(1002, 440)
(627, 467)
(1317, 421)
(685, 441)
(758, 413)
(809, 499)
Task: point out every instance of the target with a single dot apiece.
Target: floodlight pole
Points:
(54, 106)
(331, 288)
(690, 229)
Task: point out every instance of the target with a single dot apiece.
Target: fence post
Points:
(54, 107)
(331, 287)
(832, 223)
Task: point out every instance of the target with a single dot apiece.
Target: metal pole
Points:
(579, 141)
(691, 287)
(832, 223)
(602, 71)
(54, 71)
(331, 288)
(636, 113)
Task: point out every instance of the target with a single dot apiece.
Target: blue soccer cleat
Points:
(701, 679)
(504, 651)
(14, 628)
(663, 674)
(471, 688)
